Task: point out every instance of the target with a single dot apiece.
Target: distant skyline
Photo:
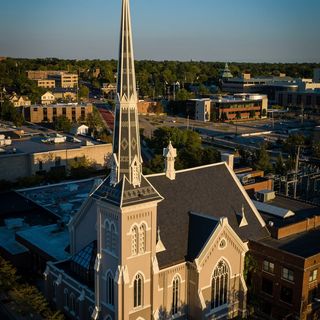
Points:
(208, 30)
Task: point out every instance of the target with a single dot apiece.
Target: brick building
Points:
(286, 279)
(73, 111)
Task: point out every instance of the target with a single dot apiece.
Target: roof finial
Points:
(170, 154)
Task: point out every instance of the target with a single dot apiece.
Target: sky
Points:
(207, 30)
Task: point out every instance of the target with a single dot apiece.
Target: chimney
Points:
(228, 159)
(170, 154)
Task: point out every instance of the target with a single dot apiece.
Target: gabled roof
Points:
(210, 190)
(123, 194)
(200, 230)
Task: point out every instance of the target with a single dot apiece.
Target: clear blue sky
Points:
(210, 30)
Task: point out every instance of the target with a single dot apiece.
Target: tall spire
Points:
(126, 160)
(126, 74)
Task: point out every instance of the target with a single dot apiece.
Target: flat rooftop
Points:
(63, 199)
(301, 209)
(48, 239)
(305, 244)
(35, 145)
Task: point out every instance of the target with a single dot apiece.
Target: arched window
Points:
(110, 289)
(137, 291)
(113, 238)
(108, 235)
(72, 303)
(175, 295)
(142, 239)
(90, 310)
(220, 285)
(66, 298)
(134, 240)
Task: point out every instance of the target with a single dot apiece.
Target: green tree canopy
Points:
(262, 160)
(62, 123)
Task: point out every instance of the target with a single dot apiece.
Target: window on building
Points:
(268, 266)
(287, 274)
(313, 275)
(308, 103)
(54, 110)
(83, 113)
(286, 294)
(108, 235)
(137, 291)
(219, 285)
(40, 165)
(64, 111)
(175, 295)
(142, 239)
(72, 303)
(267, 286)
(134, 240)
(113, 239)
(66, 298)
(313, 294)
(58, 161)
(110, 289)
(299, 99)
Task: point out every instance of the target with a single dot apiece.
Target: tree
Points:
(188, 145)
(280, 166)
(262, 160)
(94, 120)
(8, 275)
(62, 123)
(83, 92)
(316, 149)
(183, 94)
(293, 141)
(10, 113)
(81, 168)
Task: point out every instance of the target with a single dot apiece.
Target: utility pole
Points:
(2, 97)
(296, 173)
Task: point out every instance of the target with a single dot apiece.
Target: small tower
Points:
(226, 73)
(170, 154)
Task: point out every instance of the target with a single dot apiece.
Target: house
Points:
(80, 130)
(47, 98)
(19, 101)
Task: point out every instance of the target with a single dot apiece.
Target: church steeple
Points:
(126, 84)
(126, 160)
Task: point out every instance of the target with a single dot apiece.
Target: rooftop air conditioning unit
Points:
(265, 195)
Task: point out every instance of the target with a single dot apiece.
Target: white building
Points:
(47, 98)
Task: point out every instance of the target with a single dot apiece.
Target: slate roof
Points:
(200, 230)
(209, 190)
(123, 194)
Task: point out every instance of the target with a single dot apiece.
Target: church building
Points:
(163, 246)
